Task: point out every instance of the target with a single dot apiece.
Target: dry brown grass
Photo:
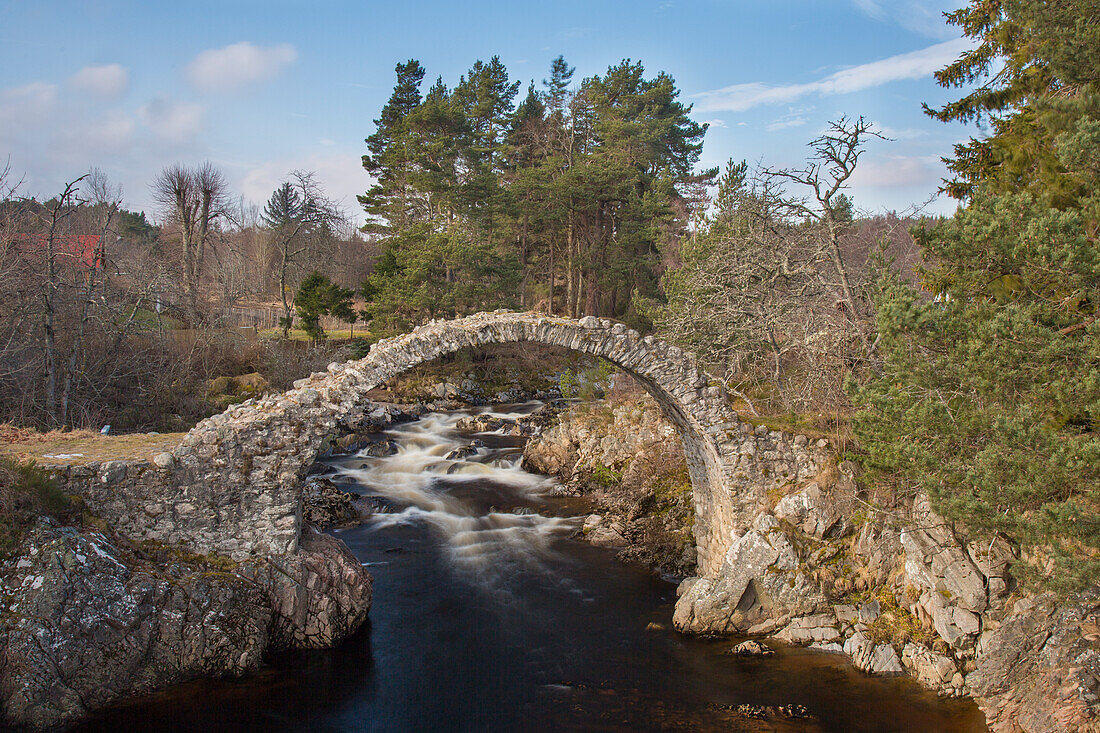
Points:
(81, 446)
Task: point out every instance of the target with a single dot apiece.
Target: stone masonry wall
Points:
(232, 486)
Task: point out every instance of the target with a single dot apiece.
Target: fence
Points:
(263, 317)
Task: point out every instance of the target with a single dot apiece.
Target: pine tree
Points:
(318, 296)
(390, 159)
(557, 86)
(989, 395)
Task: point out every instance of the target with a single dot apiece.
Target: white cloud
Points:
(898, 171)
(108, 135)
(715, 123)
(109, 81)
(238, 65)
(920, 16)
(175, 122)
(27, 104)
(913, 65)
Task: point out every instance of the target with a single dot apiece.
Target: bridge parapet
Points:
(233, 485)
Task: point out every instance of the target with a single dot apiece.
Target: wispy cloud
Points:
(109, 81)
(794, 118)
(238, 65)
(715, 123)
(913, 65)
(898, 171)
(920, 16)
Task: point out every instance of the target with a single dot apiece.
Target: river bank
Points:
(827, 563)
(491, 613)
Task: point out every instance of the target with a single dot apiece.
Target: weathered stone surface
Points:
(935, 559)
(87, 623)
(818, 628)
(810, 511)
(759, 579)
(935, 671)
(1039, 671)
(320, 594)
(84, 628)
(871, 657)
(324, 505)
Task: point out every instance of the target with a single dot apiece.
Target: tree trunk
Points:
(282, 291)
(569, 262)
(845, 286)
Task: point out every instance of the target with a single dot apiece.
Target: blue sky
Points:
(262, 88)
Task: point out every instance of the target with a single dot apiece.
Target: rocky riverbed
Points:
(879, 578)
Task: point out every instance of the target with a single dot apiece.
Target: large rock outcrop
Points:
(883, 579)
(760, 581)
(1039, 670)
(624, 457)
(89, 620)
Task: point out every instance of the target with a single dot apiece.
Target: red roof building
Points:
(79, 250)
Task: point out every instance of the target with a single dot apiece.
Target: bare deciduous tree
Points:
(194, 199)
(106, 200)
(836, 153)
(297, 213)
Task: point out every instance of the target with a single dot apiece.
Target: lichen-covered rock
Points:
(759, 579)
(325, 505)
(84, 626)
(1039, 671)
(88, 621)
(319, 595)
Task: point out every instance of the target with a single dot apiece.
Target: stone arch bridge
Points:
(233, 485)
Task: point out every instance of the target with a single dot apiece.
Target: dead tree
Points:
(836, 153)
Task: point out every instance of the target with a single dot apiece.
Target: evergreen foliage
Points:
(989, 395)
(559, 202)
(318, 296)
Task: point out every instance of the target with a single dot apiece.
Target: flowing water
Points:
(488, 616)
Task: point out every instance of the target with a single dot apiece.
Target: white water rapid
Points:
(483, 508)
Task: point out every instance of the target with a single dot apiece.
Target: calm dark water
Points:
(487, 617)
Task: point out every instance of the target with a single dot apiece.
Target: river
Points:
(487, 616)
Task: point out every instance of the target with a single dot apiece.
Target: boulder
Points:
(320, 594)
(462, 452)
(85, 626)
(933, 670)
(380, 448)
(813, 513)
(325, 505)
(751, 648)
(759, 579)
(89, 621)
(871, 657)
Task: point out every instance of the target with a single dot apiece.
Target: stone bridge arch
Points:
(233, 485)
